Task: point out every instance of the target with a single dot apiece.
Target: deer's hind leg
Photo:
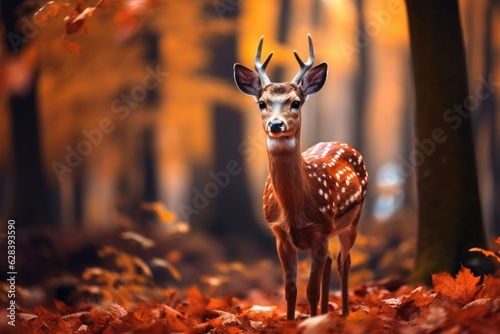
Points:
(347, 239)
(325, 284)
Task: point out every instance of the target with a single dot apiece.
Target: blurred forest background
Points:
(145, 122)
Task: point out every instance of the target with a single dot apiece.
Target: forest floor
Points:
(136, 284)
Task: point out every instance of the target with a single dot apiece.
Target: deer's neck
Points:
(288, 172)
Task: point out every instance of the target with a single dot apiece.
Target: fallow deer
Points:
(308, 197)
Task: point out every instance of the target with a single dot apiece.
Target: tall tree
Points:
(30, 203)
(449, 210)
(488, 115)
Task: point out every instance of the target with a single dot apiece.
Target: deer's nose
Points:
(276, 126)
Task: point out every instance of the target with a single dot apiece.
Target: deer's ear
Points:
(314, 79)
(247, 80)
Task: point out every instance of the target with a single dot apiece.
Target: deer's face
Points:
(279, 105)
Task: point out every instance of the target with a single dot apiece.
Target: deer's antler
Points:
(304, 67)
(261, 67)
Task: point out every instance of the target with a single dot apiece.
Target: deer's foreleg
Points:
(319, 258)
(288, 258)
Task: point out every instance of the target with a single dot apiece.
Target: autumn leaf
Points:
(491, 288)
(160, 210)
(462, 289)
(49, 10)
(26, 316)
(140, 239)
(486, 253)
(73, 25)
(157, 262)
(73, 47)
(87, 12)
(53, 9)
(227, 318)
(419, 298)
(40, 17)
(117, 311)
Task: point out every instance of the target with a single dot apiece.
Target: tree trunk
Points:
(30, 203)
(449, 210)
(234, 223)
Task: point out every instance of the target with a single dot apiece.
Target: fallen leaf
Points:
(318, 324)
(26, 316)
(82, 328)
(73, 47)
(462, 289)
(486, 253)
(162, 263)
(87, 12)
(163, 214)
(53, 8)
(491, 287)
(492, 304)
(117, 311)
(227, 318)
(74, 315)
(146, 243)
(40, 17)
(72, 25)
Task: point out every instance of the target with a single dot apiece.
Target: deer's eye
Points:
(262, 105)
(295, 104)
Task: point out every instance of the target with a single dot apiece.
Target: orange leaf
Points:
(117, 311)
(73, 47)
(486, 253)
(163, 214)
(40, 17)
(418, 297)
(491, 287)
(74, 21)
(176, 321)
(497, 241)
(52, 8)
(140, 239)
(463, 288)
(87, 12)
(144, 315)
(162, 263)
